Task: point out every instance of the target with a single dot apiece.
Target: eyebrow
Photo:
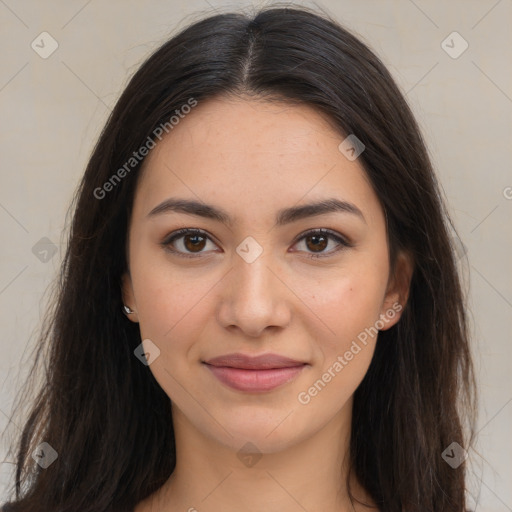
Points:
(284, 216)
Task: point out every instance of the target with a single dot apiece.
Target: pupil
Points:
(196, 243)
(316, 244)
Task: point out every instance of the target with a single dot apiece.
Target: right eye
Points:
(190, 239)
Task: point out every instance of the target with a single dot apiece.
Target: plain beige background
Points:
(54, 108)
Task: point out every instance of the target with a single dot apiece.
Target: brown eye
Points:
(191, 243)
(317, 240)
(194, 242)
(187, 242)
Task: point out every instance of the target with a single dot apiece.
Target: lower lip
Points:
(254, 380)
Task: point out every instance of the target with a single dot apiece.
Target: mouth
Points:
(254, 373)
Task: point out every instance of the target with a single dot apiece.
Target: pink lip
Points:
(257, 374)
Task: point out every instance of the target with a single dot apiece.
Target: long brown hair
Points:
(97, 401)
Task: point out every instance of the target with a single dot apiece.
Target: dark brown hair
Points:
(103, 411)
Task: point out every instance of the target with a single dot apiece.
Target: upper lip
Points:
(261, 362)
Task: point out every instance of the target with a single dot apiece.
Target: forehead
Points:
(252, 155)
(228, 126)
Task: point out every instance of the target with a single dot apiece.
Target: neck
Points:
(310, 475)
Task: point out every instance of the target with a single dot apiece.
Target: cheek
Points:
(348, 304)
(169, 300)
(351, 309)
(171, 310)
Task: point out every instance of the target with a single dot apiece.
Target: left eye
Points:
(319, 239)
(194, 240)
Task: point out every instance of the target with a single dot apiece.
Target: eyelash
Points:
(193, 231)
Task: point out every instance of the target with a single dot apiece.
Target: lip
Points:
(261, 362)
(254, 373)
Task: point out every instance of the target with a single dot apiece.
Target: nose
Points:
(254, 298)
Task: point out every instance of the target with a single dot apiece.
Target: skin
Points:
(253, 158)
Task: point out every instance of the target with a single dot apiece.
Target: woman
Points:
(259, 307)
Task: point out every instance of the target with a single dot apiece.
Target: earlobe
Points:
(128, 298)
(398, 290)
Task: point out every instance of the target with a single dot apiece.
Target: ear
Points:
(128, 297)
(397, 292)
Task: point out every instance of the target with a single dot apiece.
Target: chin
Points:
(269, 432)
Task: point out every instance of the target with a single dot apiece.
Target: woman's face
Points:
(258, 283)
